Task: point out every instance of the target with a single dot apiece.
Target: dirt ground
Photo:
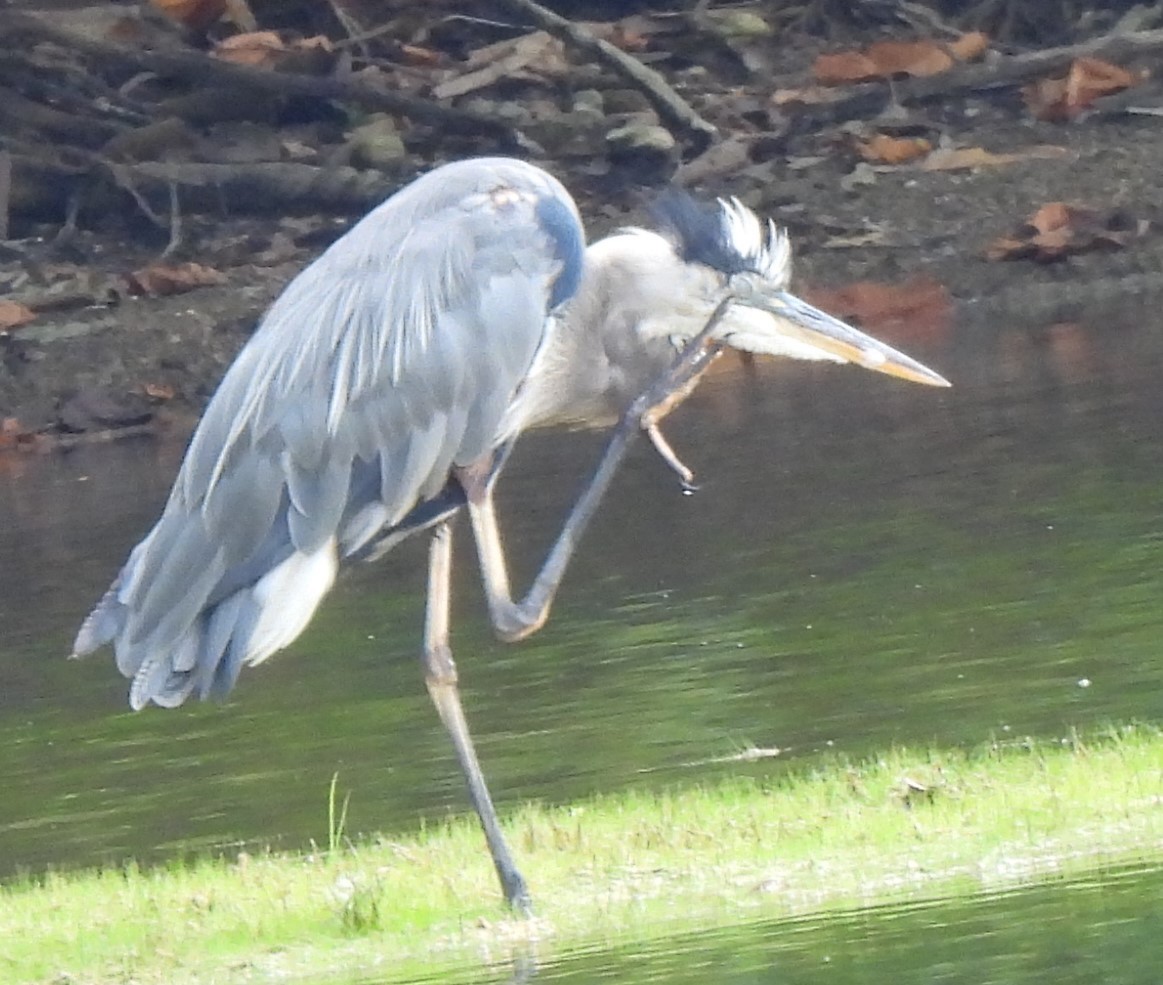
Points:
(136, 360)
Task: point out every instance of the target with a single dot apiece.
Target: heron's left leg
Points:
(516, 620)
(441, 678)
(684, 386)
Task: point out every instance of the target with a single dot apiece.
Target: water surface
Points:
(867, 563)
(1081, 932)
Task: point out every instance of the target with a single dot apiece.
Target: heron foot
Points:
(517, 896)
(667, 453)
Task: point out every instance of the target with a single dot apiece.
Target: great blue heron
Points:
(384, 389)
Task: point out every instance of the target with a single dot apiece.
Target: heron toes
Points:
(517, 896)
(685, 476)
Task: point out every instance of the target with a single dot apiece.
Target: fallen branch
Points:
(274, 186)
(1016, 69)
(672, 109)
(16, 28)
(866, 100)
(267, 186)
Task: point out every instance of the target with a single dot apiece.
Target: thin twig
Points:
(672, 109)
(175, 223)
(67, 233)
(5, 191)
(122, 177)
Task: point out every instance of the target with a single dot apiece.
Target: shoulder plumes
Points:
(724, 235)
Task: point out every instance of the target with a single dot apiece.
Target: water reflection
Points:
(867, 563)
(1085, 932)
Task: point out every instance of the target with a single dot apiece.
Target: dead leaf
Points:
(194, 14)
(628, 37)
(1051, 216)
(537, 52)
(13, 314)
(162, 279)
(158, 391)
(420, 56)
(1058, 100)
(885, 59)
(910, 57)
(813, 95)
(843, 67)
(883, 149)
(963, 158)
(258, 49)
(970, 47)
(918, 310)
(1057, 230)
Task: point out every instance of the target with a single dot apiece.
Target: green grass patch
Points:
(836, 834)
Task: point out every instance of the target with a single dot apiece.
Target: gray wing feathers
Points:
(401, 346)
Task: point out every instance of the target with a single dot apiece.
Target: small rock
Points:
(555, 133)
(858, 177)
(376, 144)
(98, 409)
(590, 103)
(640, 138)
(509, 111)
(649, 149)
(625, 101)
(740, 25)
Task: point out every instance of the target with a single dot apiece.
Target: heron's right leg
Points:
(441, 678)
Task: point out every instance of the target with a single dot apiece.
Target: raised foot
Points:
(685, 476)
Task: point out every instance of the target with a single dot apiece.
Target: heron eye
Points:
(742, 284)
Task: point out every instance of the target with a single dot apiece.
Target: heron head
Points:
(729, 252)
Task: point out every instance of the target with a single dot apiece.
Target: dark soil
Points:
(132, 361)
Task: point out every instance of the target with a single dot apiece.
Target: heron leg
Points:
(654, 416)
(516, 620)
(441, 679)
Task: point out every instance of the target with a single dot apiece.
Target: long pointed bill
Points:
(797, 321)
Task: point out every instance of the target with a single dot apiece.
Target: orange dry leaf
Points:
(1056, 230)
(910, 57)
(415, 54)
(259, 49)
(813, 95)
(917, 310)
(888, 58)
(970, 46)
(843, 67)
(158, 391)
(163, 279)
(1088, 79)
(883, 149)
(13, 314)
(961, 158)
(194, 14)
(14, 434)
(627, 37)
